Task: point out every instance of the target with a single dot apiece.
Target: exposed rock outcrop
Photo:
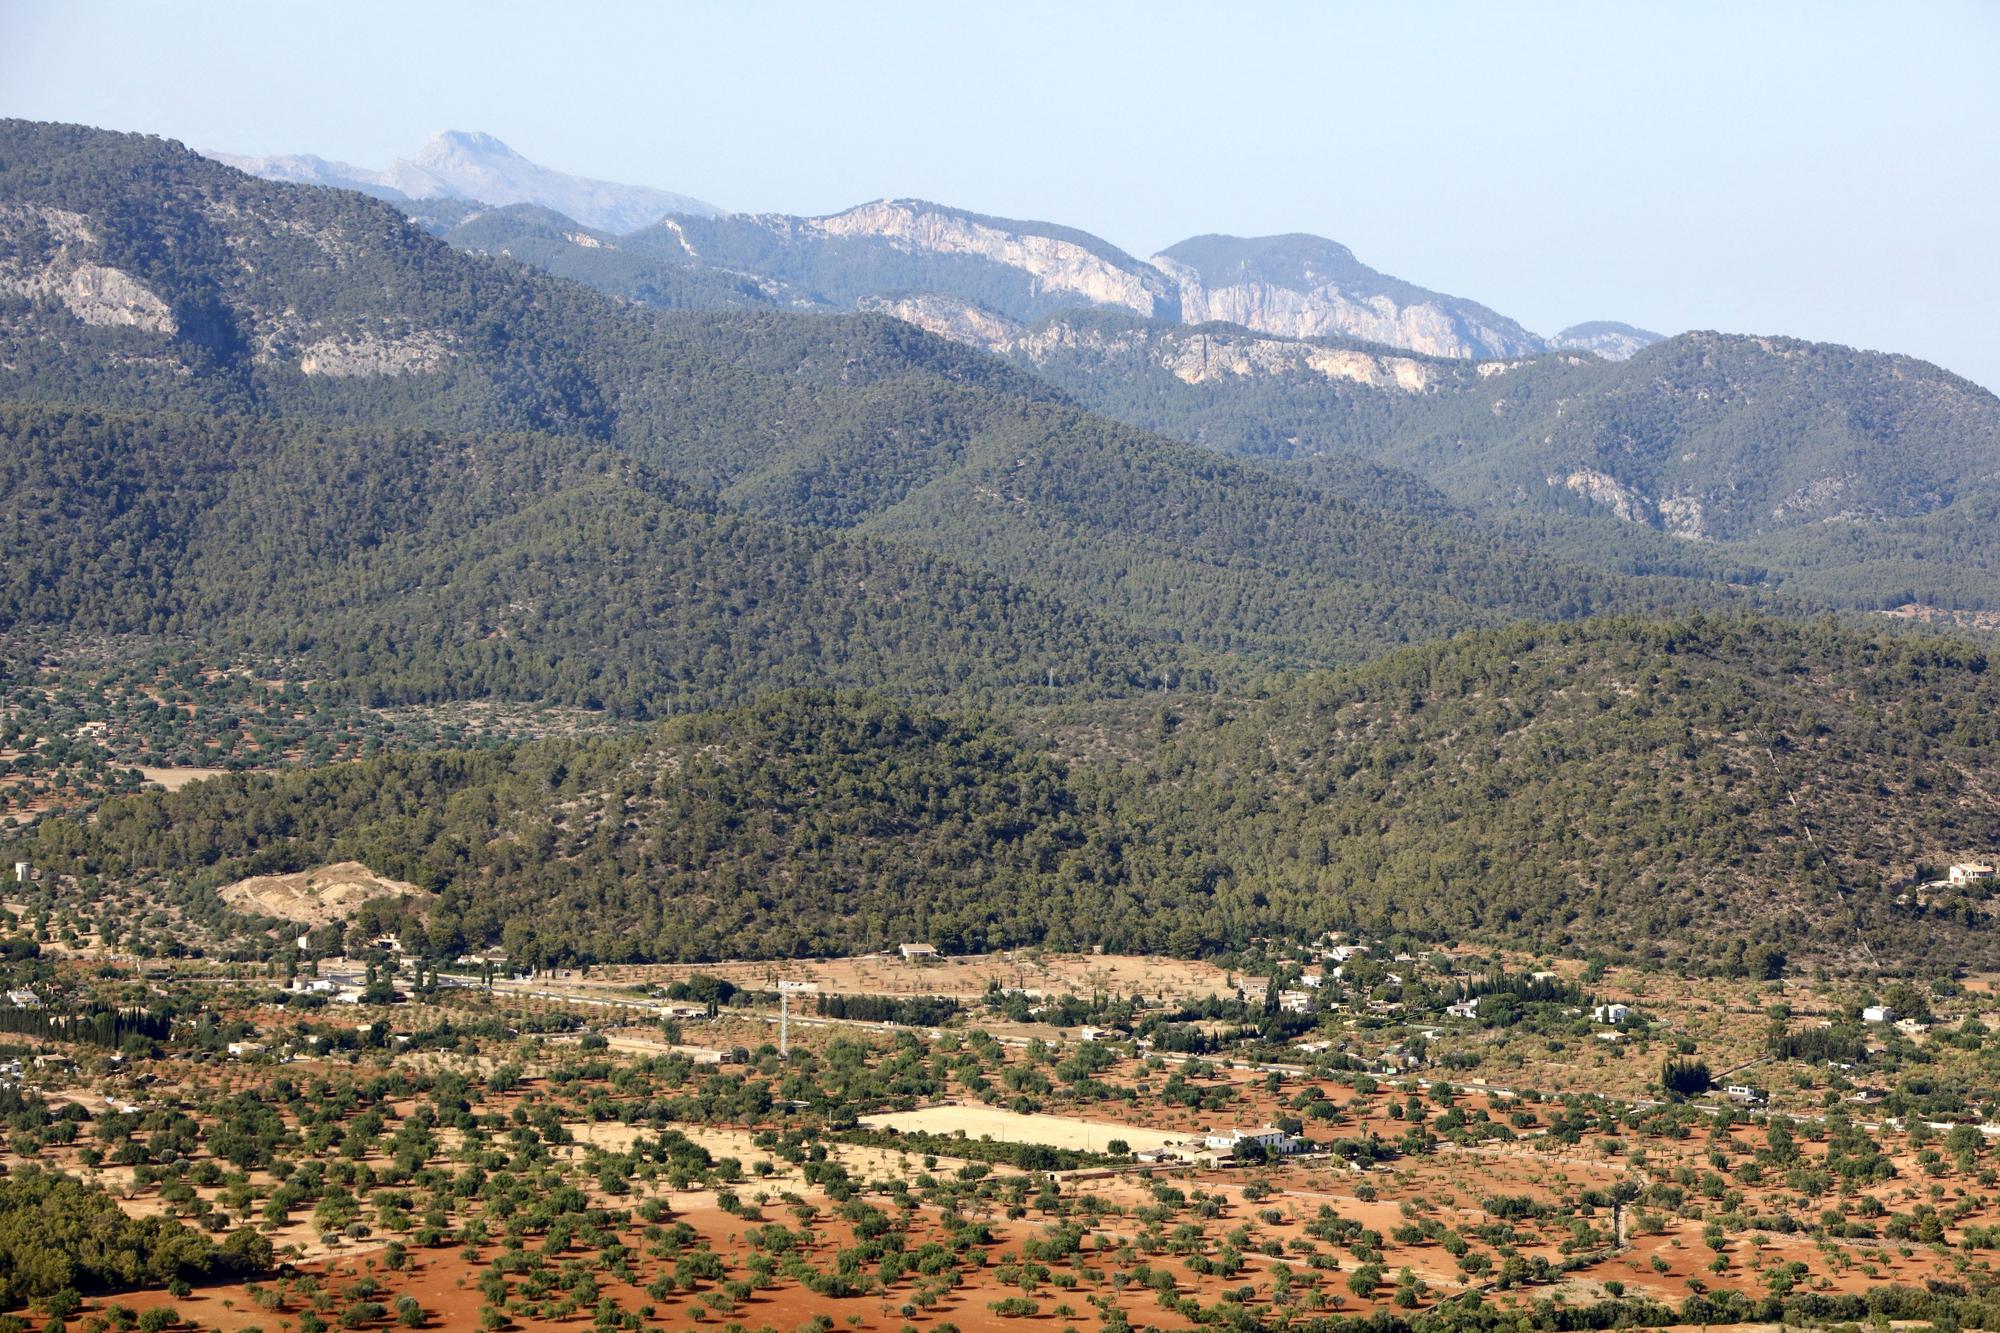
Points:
(1197, 356)
(1601, 488)
(318, 897)
(1310, 287)
(356, 355)
(949, 317)
(1065, 264)
(1678, 515)
(43, 255)
(1194, 356)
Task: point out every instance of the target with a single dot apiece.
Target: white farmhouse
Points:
(1227, 1143)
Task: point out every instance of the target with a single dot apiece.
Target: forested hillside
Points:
(418, 565)
(557, 245)
(801, 824)
(1681, 790)
(1720, 793)
(1843, 477)
(131, 257)
(316, 439)
(1840, 477)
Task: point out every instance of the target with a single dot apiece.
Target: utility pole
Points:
(786, 990)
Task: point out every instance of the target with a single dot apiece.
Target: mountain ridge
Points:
(1292, 285)
(1307, 286)
(475, 166)
(320, 439)
(351, 315)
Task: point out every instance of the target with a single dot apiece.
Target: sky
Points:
(1824, 170)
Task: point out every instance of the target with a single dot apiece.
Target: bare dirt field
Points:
(173, 779)
(987, 1122)
(962, 978)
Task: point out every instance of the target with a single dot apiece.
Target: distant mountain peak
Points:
(476, 166)
(470, 141)
(1607, 338)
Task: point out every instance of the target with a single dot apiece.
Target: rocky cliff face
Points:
(459, 164)
(949, 317)
(1208, 356)
(45, 255)
(1060, 263)
(1310, 287)
(1678, 515)
(1193, 356)
(1290, 287)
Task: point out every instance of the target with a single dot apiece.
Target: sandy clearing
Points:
(173, 779)
(318, 897)
(1055, 1131)
(964, 977)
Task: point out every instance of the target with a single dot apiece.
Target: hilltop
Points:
(479, 169)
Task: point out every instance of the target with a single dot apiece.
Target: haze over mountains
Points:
(1289, 285)
(1263, 592)
(467, 165)
(1284, 348)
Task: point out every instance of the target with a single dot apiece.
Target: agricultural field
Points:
(625, 1151)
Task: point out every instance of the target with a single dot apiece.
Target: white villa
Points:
(1225, 1143)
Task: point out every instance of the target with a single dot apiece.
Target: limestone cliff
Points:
(1310, 287)
(45, 254)
(1191, 355)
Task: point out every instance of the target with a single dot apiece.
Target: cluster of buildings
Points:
(1214, 1147)
(338, 990)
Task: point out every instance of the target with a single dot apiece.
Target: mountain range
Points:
(478, 168)
(675, 251)
(1765, 461)
(136, 297)
(1138, 632)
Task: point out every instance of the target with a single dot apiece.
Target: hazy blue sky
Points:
(1826, 170)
